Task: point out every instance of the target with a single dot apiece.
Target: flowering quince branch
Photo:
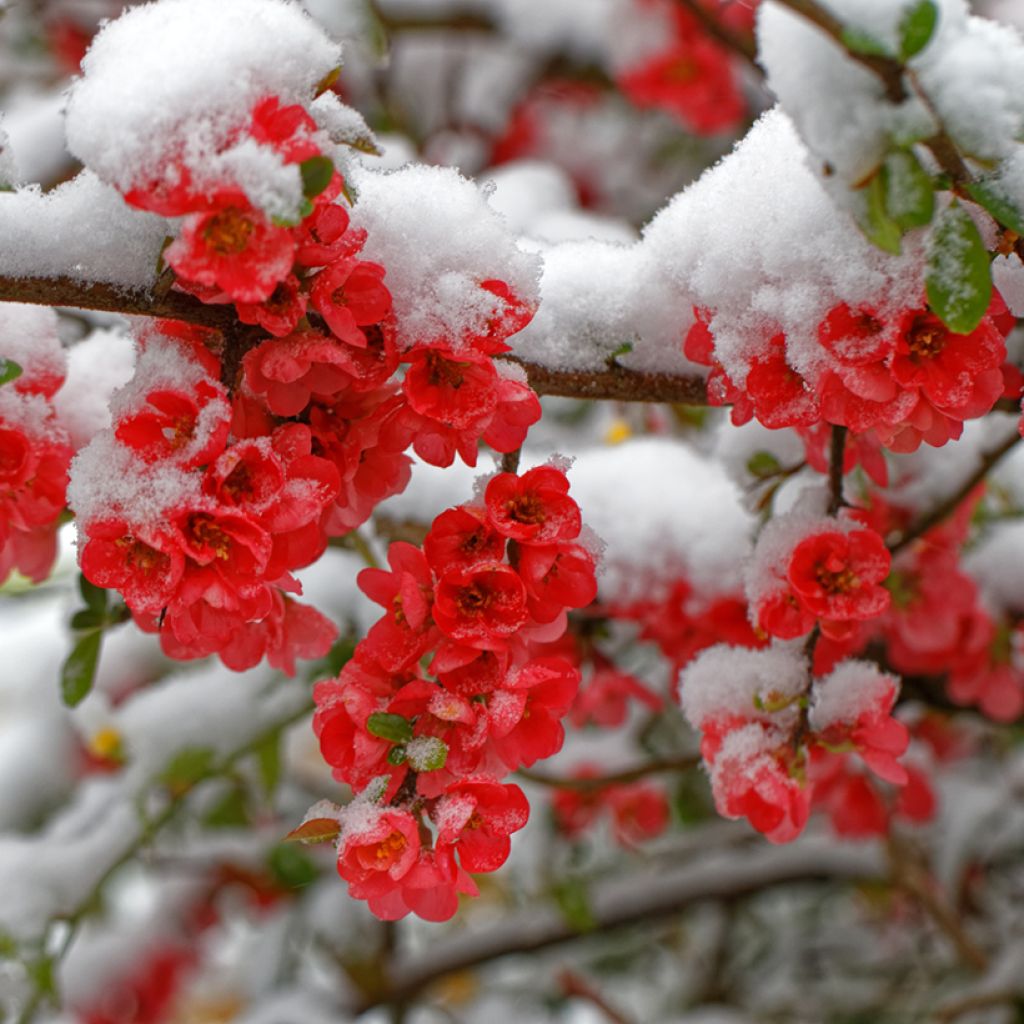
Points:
(587, 783)
(936, 515)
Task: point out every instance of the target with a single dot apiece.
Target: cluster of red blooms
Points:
(827, 573)
(937, 623)
(489, 588)
(899, 377)
(692, 76)
(774, 745)
(200, 535)
(35, 451)
(306, 439)
(638, 810)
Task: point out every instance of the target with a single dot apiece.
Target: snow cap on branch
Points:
(135, 118)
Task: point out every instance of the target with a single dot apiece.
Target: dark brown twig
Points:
(948, 506)
(739, 43)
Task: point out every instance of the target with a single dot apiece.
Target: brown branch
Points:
(622, 903)
(614, 382)
(887, 69)
(948, 505)
(588, 783)
(574, 984)
(914, 878)
(836, 457)
(739, 43)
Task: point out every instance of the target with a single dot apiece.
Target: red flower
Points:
(324, 237)
(288, 130)
(289, 372)
(350, 294)
(403, 635)
(835, 576)
(477, 816)
(280, 313)
(190, 428)
(462, 538)
(480, 606)
(145, 565)
(233, 248)
(534, 508)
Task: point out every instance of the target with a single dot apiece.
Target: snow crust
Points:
(133, 115)
(83, 230)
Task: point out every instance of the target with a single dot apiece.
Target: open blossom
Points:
(234, 248)
(817, 570)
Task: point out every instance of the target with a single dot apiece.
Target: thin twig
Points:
(574, 984)
(949, 505)
(914, 879)
(836, 457)
(739, 43)
(585, 783)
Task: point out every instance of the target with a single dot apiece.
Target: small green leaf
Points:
(9, 370)
(958, 278)
(315, 830)
(79, 671)
(268, 760)
(95, 598)
(228, 812)
(187, 767)
(917, 26)
(987, 194)
(573, 900)
(623, 350)
(763, 464)
(878, 227)
(389, 727)
(907, 188)
(396, 756)
(291, 867)
(858, 41)
(316, 172)
(427, 754)
(85, 618)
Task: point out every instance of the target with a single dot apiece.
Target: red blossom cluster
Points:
(638, 810)
(893, 377)
(241, 477)
(826, 572)
(692, 76)
(35, 451)
(451, 689)
(770, 735)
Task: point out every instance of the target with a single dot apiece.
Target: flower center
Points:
(228, 231)
(926, 338)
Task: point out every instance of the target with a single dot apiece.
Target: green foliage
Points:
(958, 279)
(394, 728)
(917, 26)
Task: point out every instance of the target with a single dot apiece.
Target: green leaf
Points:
(917, 26)
(987, 194)
(9, 370)
(958, 278)
(228, 812)
(907, 189)
(396, 756)
(85, 618)
(291, 867)
(763, 464)
(427, 754)
(624, 349)
(95, 598)
(573, 900)
(858, 41)
(187, 767)
(315, 830)
(389, 727)
(878, 227)
(268, 760)
(79, 671)
(316, 172)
